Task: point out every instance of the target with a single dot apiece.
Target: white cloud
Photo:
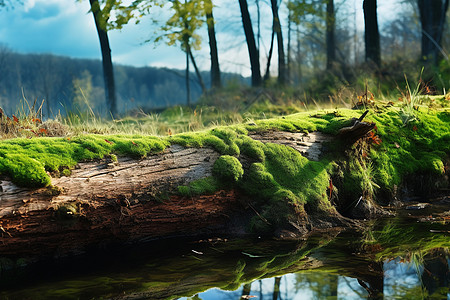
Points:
(29, 5)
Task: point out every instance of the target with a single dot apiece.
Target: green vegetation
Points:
(282, 181)
(27, 161)
(228, 168)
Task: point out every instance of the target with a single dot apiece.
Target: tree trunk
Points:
(251, 44)
(432, 17)
(331, 45)
(299, 59)
(276, 288)
(197, 71)
(281, 56)
(108, 72)
(289, 47)
(372, 35)
(187, 50)
(258, 37)
(215, 69)
(269, 56)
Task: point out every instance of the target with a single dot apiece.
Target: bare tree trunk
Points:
(289, 46)
(372, 35)
(108, 72)
(269, 57)
(299, 56)
(188, 50)
(259, 24)
(251, 44)
(432, 18)
(197, 71)
(330, 41)
(215, 69)
(280, 44)
(276, 288)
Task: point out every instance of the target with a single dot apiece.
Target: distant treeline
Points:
(68, 84)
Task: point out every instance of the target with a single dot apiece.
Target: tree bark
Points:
(251, 44)
(215, 69)
(108, 72)
(187, 50)
(432, 18)
(372, 35)
(330, 41)
(289, 47)
(269, 56)
(197, 71)
(281, 56)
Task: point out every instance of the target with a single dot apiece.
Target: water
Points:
(402, 258)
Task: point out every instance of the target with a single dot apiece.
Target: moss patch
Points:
(228, 168)
(27, 161)
(203, 186)
(421, 146)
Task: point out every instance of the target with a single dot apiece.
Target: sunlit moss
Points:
(228, 168)
(27, 161)
(203, 186)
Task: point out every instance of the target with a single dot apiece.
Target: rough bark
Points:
(432, 18)
(280, 43)
(331, 45)
(108, 72)
(372, 35)
(251, 44)
(215, 69)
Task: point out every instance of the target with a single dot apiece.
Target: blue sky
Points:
(65, 27)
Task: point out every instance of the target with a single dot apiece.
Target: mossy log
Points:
(128, 201)
(273, 182)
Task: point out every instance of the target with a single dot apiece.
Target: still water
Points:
(401, 258)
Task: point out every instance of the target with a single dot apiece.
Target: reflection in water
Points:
(401, 280)
(395, 259)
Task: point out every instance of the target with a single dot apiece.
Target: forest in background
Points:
(316, 51)
(73, 85)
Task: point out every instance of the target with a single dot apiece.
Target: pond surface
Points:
(401, 258)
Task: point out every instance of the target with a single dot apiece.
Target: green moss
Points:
(203, 186)
(24, 171)
(228, 168)
(27, 160)
(66, 172)
(113, 157)
(420, 146)
(251, 148)
(282, 184)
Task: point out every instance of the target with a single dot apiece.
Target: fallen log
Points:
(280, 186)
(128, 201)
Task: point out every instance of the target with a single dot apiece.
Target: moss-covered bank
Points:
(281, 181)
